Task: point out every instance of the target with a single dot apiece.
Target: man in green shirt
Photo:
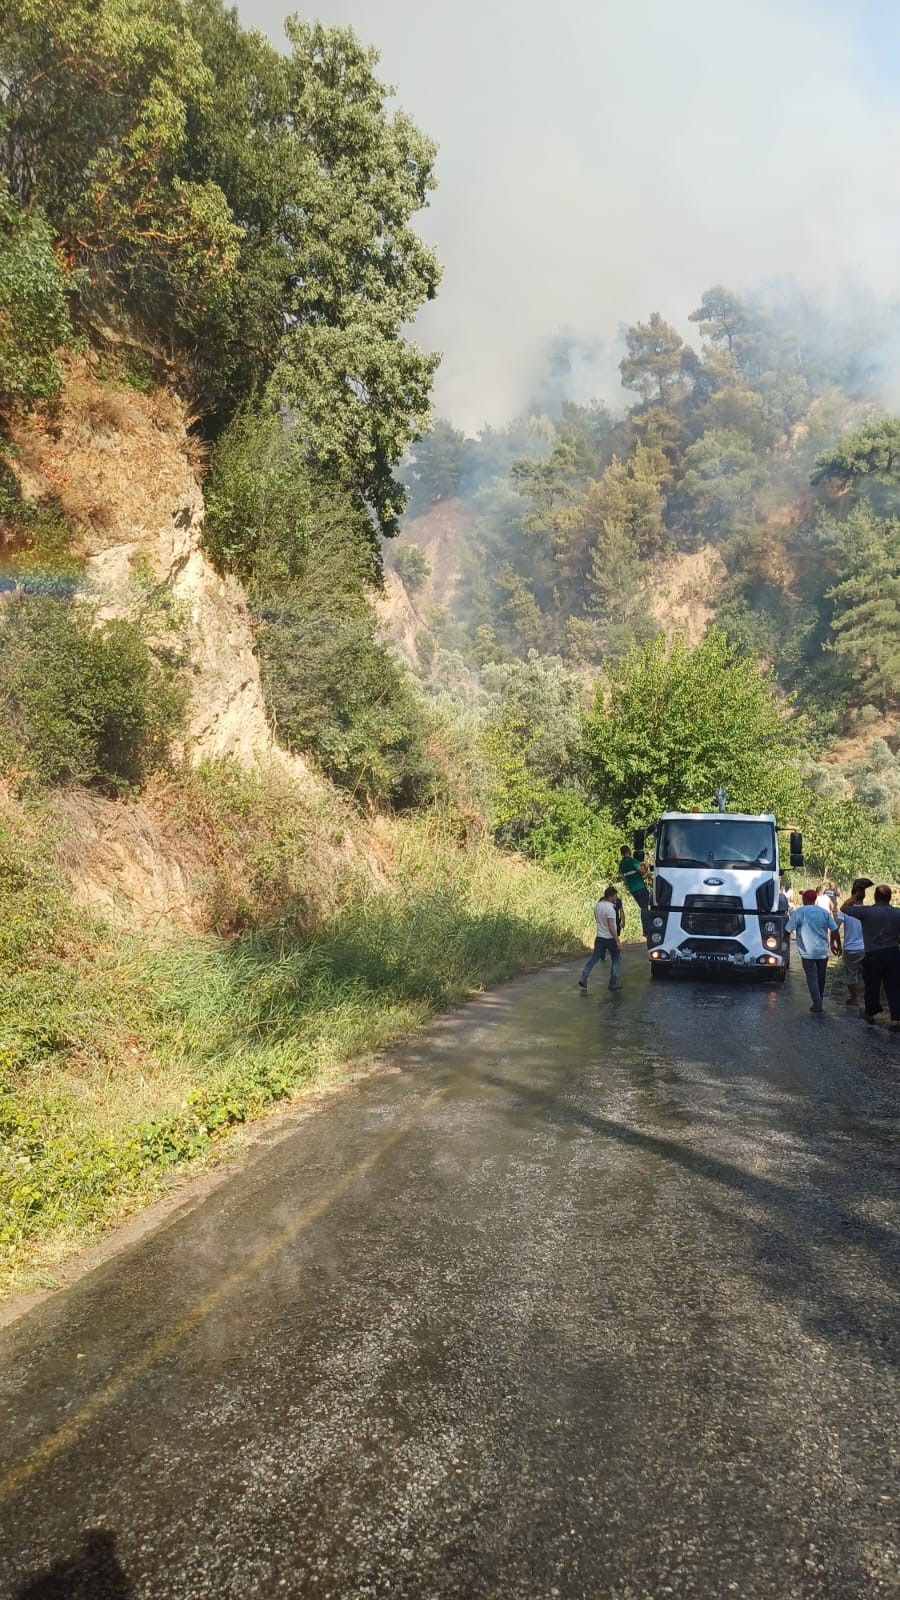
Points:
(633, 874)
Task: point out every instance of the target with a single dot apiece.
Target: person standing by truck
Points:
(881, 964)
(633, 874)
(854, 948)
(607, 942)
(812, 925)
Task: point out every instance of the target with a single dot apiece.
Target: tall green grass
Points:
(122, 1063)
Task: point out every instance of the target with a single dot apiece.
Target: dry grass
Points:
(112, 458)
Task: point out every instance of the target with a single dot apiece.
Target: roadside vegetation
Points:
(123, 1060)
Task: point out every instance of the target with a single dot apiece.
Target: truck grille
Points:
(714, 947)
(713, 916)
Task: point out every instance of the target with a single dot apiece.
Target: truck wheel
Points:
(780, 975)
(657, 970)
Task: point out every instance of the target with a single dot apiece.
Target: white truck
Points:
(716, 891)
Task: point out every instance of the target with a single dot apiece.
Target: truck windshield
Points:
(716, 842)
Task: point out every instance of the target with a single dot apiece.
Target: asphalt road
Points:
(578, 1296)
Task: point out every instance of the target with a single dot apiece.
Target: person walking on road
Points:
(607, 942)
(634, 873)
(812, 925)
(854, 949)
(881, 963)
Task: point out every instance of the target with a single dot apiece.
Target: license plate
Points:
(725, 959)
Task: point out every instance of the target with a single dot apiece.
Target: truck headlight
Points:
(658, 922)
(656, 938)
(771, 944)
(768, 927)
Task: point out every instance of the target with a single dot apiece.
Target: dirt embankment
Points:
(683, 594)
(125, 469)
(406, 616)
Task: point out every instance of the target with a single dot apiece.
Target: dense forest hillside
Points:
(753, 486)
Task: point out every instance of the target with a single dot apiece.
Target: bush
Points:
(412, 567)
(843, 840)
(35, 538)
(34, 318)
(332, 690)
(81, 702)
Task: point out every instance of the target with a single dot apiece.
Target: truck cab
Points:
(715, 895)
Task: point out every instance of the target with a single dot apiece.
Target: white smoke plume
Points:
(602, 159)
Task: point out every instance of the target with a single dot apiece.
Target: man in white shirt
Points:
(812, 925)
(826, 898)
(854, 949)
(607, 942)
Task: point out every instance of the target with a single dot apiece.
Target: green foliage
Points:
(412, 565)
(659, 365)
(334, 692)
(120, 1061)
(332, 689)
(873, 451)
(844, 841)
(34, 317)
(437, 470)
(261, 506)
(249, 210)
(94, 131)
(866, 604)
(571, 835)
(720, 473)
(81, 701)
(678, 723)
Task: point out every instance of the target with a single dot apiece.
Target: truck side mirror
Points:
(797, 850)
(640, 841)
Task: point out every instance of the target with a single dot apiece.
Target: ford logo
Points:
(716, 882)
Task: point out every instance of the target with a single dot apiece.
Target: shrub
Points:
(34, 319)
(82, 702)
(412, 567)
(332, 690)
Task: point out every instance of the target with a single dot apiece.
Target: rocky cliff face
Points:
(124, 469)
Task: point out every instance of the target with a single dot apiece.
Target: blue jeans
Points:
(814, 972)
(602, 948)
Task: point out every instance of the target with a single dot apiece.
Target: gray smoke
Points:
(601, 159)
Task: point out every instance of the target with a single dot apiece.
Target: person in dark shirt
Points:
(881, 963)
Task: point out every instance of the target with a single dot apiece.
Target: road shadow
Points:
(803, 1238)
(93, 1573)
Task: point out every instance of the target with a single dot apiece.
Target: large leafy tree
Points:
(676, 723)
(93, 123)
(359, 390)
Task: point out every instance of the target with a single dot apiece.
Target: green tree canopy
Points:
(249, 210)
(677, 723)
(34, 313)
(866, 615)
(659, 365)
(873, 451)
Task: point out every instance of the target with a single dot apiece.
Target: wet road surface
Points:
(579, 1295)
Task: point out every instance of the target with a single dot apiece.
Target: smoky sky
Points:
(602, 159)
